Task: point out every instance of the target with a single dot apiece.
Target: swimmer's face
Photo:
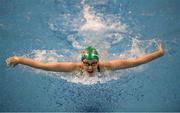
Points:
(90, 66)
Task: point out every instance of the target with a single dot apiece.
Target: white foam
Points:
(92, 22)
(74, 42)
(99, 30)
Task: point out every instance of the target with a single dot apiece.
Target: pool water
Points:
(57, 30)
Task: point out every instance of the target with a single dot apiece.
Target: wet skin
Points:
(90, 66)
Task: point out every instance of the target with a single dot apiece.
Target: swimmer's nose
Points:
(90, 67)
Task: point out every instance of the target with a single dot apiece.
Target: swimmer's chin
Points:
(90, 73)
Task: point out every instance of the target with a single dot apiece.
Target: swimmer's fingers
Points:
(12, 61)
(8, 62)
(161, 48)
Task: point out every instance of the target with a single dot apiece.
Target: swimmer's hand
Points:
(12, 61)
(161, 48)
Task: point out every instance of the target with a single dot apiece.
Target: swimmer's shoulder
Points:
(104, 65)
(78, 65)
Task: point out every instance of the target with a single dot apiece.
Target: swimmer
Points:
(90, 62)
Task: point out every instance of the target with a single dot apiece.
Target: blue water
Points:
(56, 30)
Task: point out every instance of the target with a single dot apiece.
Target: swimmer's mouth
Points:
(89, 71)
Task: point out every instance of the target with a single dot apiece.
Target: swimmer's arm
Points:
(122, 64)
(52, 66)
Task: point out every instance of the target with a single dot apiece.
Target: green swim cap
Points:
(90, 53)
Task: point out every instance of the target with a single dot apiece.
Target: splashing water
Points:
(99, 31)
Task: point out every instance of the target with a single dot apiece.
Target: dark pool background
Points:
(24, 27)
